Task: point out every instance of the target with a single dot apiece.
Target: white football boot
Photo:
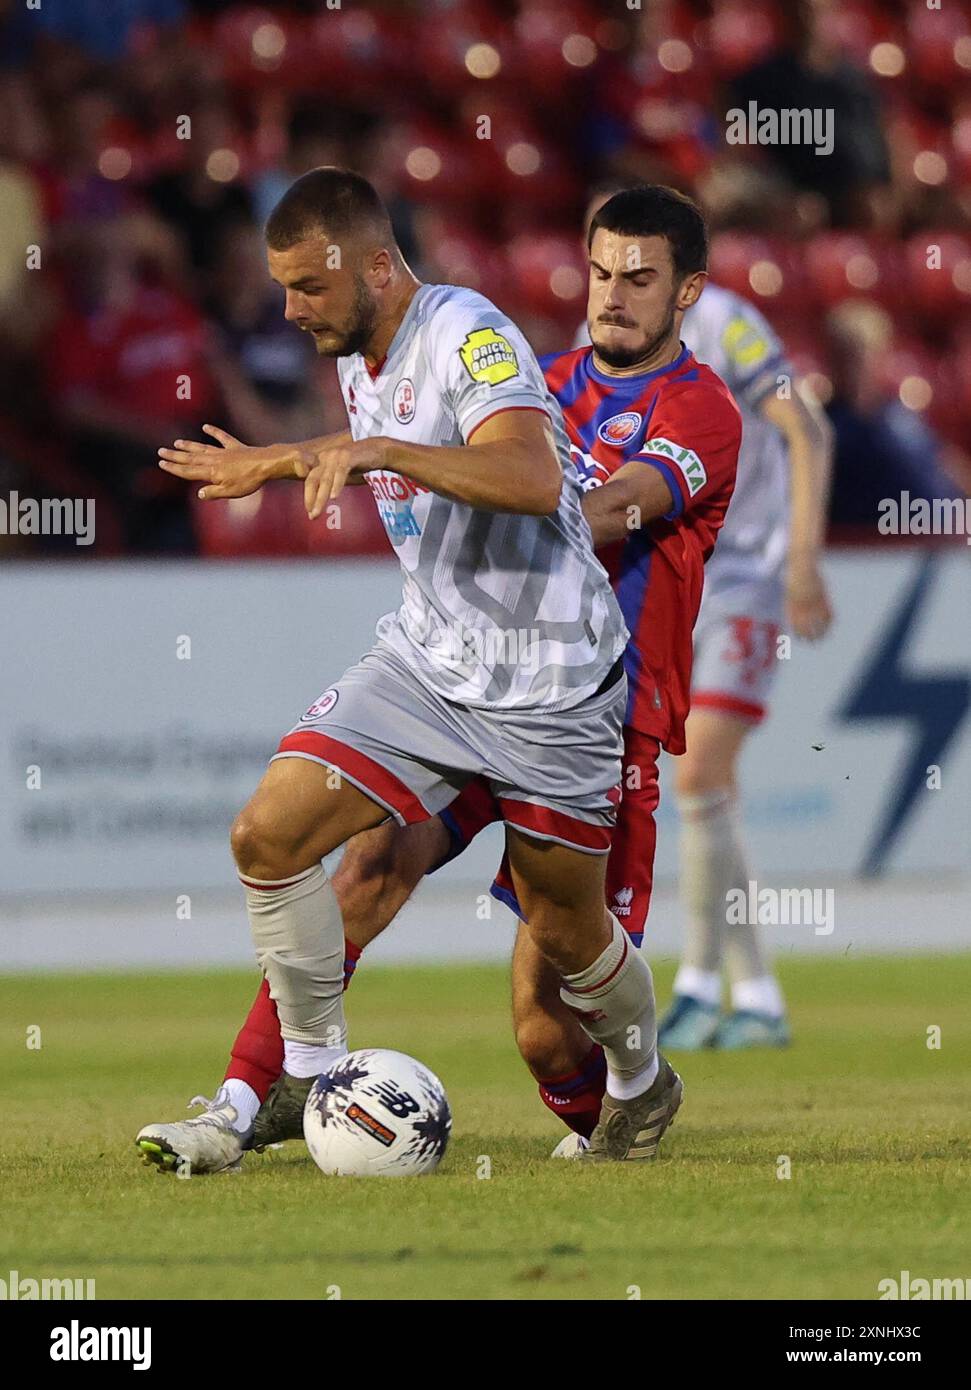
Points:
(208, 1143)
(571, 1145)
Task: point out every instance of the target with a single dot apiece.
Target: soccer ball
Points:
(377, 1112)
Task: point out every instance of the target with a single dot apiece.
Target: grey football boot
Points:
(631, 1130)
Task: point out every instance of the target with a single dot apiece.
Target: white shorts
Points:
(736, 651)
(555, 776)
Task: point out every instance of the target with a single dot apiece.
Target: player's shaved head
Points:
(336, 203)
(330, 245)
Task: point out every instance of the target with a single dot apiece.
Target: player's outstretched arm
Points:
(809, 439)
(633, 496)
(233, 469)
(509, 464)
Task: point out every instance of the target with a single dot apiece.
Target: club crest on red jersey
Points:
(620, 429)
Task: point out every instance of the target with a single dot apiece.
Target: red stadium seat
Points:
(962, 378)
(554, 44)
(856, 27)
(441, 168)
(457, 254)
(549, 272)
(356, 52)
(740, 33)
(932, 36)
(939, 274)
(924, 381)
(846, 265)
(253, 43)
(764, 270)
(350, 526)
(257, 525)
(462, 43)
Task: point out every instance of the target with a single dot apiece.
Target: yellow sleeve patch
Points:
(488, 357)
(744, 344)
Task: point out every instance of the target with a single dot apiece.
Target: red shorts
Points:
(630, 864)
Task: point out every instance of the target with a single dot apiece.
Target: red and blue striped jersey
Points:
(682, 420)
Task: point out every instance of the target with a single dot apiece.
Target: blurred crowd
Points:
(143, 143)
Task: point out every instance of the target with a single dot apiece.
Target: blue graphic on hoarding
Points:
(935, 706)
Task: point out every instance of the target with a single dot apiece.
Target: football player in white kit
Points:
(762, 579)
(504, 660)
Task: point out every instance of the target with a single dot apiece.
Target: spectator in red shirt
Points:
(128, 366)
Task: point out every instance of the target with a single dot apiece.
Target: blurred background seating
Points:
(483, 123)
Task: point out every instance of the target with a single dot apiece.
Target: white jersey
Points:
(734, 339)
(500, 611)
(731, 336)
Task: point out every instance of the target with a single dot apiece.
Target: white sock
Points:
(703, 985)
(761, 996)
(244, 1100)
(309, 1059)
(613, 998)
(627, 1087)
(299, 938)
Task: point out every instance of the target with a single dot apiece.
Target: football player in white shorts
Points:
(504, 660)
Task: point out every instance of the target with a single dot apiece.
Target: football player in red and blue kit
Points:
(655, 438)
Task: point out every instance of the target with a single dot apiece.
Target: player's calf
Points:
(605, 981)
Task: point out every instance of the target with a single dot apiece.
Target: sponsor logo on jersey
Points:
(321, 707)
(393, 487)
(744, 344)
(488, 357)
(620, 429)
(691, 466)
(399, 521)
(403, 401)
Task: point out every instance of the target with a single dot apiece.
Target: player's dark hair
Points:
(332, 200)
(655, 210)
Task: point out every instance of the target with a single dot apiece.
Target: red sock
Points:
(575, 1098)
(257, 1055)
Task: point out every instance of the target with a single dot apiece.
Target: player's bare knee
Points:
(701, 777)
(542, 1045)
(261, 847)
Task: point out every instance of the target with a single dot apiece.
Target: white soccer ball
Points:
(377, 1112)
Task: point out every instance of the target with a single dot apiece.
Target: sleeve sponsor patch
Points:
(686, 460)
(744, 344)
(488, 357)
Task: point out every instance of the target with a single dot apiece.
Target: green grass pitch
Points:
(875, 1125)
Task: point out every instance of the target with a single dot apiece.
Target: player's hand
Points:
(336, 466)
(231, 468)
(808, 610)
